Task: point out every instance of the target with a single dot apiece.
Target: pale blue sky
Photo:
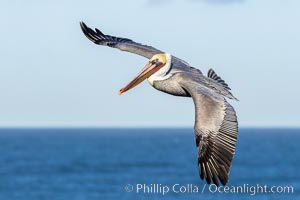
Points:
(51, 75)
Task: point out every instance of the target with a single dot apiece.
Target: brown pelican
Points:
(216, 123)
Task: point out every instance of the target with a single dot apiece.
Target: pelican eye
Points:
(155, 62)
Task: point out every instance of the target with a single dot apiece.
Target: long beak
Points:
(147, 71)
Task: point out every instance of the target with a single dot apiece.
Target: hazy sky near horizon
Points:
(51, 75)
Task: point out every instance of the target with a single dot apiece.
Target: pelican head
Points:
(156, 69)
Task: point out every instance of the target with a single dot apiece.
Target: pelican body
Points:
(216, 125)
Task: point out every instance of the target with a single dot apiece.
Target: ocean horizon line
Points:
(138, 127)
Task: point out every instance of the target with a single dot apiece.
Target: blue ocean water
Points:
(98, 164)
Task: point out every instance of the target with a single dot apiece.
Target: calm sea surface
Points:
(100, 164)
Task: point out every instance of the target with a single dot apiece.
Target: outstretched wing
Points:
(216, 129)
(123, 44)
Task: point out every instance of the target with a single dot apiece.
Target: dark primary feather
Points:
(216, 83)
(213, 75)
(123, 44)
(216, 129)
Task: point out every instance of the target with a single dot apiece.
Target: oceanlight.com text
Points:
(251, 189)
(162, 189)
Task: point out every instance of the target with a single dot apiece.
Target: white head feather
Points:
(161, 74)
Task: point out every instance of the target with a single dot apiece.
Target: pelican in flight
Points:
(216, 125)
